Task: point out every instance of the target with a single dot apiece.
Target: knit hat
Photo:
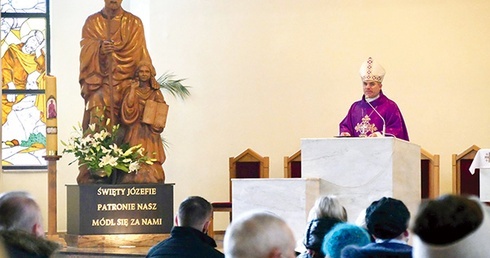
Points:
(387, 218)
(372, 71)
(342, 235)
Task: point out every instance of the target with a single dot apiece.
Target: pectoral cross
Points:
(365, 127)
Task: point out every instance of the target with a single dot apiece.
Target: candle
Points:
(51, 117)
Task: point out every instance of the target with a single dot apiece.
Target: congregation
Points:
(447, 226)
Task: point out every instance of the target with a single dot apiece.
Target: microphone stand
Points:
(382, 119)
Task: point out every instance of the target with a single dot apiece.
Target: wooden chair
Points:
(292, 165)
(463, 181)
(249, 164)
(430, 174)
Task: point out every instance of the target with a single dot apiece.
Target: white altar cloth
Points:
(482, 162)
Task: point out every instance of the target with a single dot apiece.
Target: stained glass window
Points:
(25, 62)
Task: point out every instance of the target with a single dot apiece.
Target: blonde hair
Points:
(328, 206)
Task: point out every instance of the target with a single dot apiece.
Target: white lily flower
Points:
(108, 160)
(105, 150)
(134, 166)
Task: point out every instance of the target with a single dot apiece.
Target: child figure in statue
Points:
(144, 112)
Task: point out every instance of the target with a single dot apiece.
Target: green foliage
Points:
(175, 87)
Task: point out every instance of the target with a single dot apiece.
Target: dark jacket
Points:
(22, 244)
(186, 242)
(316, 231)
(378, 250)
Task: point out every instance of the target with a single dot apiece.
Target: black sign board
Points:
(120, 209)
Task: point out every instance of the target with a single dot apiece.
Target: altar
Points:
(357, 170)
(361, 170)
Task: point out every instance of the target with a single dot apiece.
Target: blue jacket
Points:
(378, 250)
(185, 242)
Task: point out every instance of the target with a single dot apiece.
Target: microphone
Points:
(384, 122)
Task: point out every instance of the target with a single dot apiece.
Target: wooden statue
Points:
(112, 45)
(144, 112)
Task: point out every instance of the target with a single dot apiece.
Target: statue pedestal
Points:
(118, 215)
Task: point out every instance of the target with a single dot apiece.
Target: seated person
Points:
(451, 226)
(375, 114)
(21, 226)
(188, 238)
(387, 221)
(259, 234)
(325, 213)
(316, 231)
(342, 235)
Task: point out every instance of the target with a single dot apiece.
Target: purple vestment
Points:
(362, 120)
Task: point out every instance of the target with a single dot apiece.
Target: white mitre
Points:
(372, 71)
(474, 245)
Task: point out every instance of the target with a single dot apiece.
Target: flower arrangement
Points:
(97, 149)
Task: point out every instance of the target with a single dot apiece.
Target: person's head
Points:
(447, 219)
(372, 74)
(328, 206)
(315, 232)
(112, 5)
(194, 212)
(451, 226)
(32, 41)
(259, 234)
(387, 218)
(145, 73)
(342, 235)
(19, 211)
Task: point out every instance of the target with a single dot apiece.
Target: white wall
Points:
(265, 74)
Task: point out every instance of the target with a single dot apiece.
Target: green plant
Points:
(175, 87)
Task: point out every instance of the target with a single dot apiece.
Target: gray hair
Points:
(18, 211)
(258, 234)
